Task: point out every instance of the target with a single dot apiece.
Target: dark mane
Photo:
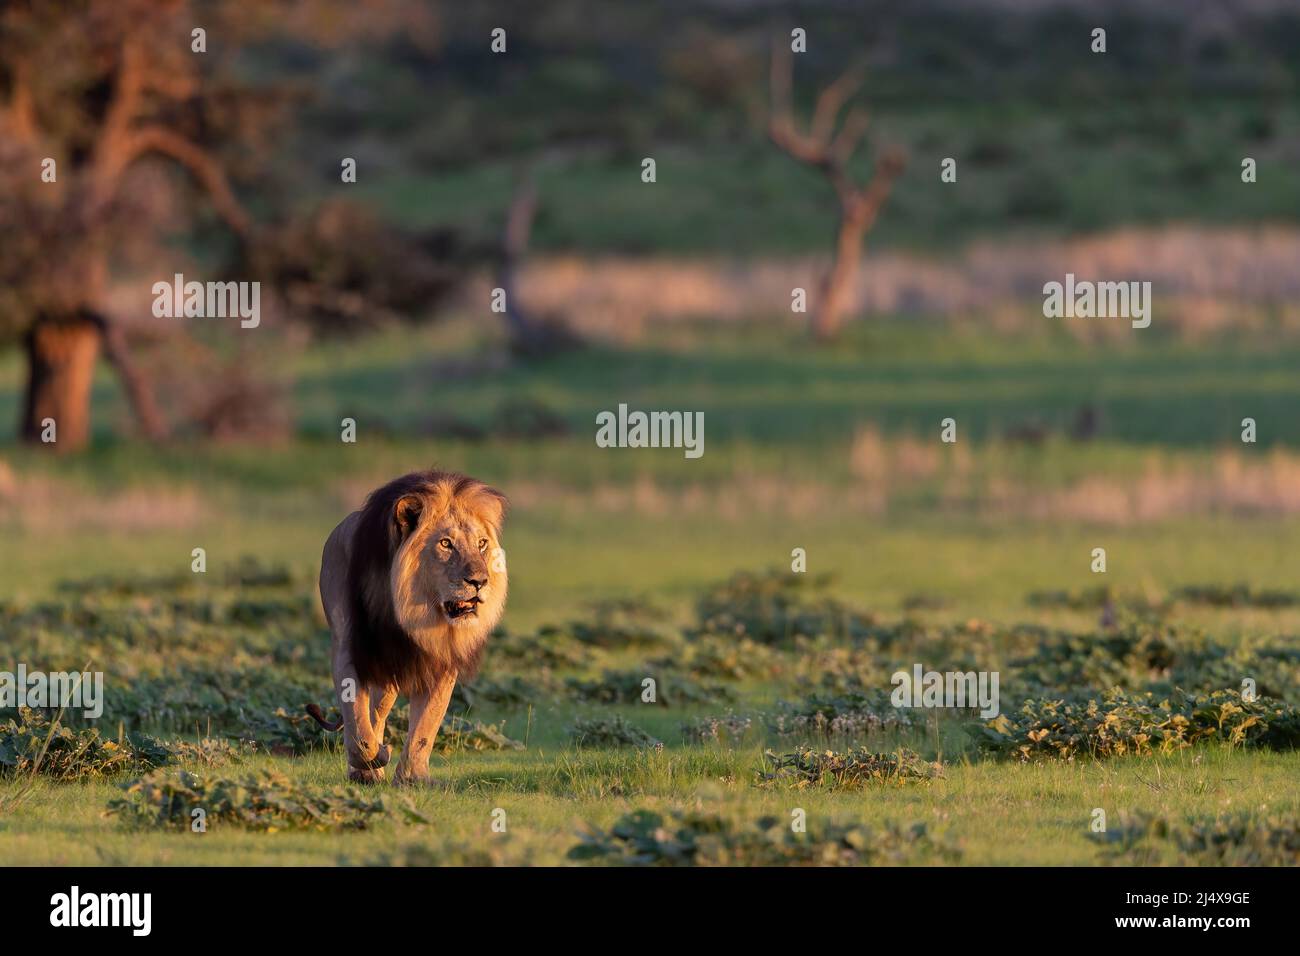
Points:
(382, 650)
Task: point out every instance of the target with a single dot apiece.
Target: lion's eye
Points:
(482, 544)
(446, 543)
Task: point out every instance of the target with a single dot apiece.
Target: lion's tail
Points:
(316, 714)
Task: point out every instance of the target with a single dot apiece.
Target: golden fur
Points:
(412, 585)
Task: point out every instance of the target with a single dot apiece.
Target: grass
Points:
(984, 569)
(769, 388)
(1004, 814)
(586, 528)
(1021, 168)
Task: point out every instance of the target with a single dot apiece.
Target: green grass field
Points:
(1067, 171)
(835, 451)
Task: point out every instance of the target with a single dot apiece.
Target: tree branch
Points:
(781, 125)
(850, 136)
(832, 100)
(21, 108)
(824, 146)
(866, 205)
(200, 164)
(139, 391)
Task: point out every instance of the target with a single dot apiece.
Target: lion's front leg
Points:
(427, 711)
(367, 755)
(381, 704)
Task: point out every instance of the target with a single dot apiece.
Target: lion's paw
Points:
(377, 762)
(362, 775)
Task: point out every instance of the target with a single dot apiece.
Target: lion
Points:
(412, 585)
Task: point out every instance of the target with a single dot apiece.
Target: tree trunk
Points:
(61, 353)
(530, 335)
(139, 391)
(841, 281)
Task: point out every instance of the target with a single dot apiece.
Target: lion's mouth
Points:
(459, 609)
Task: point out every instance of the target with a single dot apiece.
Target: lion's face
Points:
(449, 574)
(456, 567)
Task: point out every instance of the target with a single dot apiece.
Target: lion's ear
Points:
(406, 514)
(494, 508)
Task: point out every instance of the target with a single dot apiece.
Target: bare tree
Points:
(126, 90)
(97, 88)
(828, 145)
(530, 334)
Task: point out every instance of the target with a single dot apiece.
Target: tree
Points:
(531, 335)
(828, 145)
(90, 91)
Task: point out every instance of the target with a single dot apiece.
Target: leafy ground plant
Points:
(616, 731)
(776, 607)
(1156, 657)
(728, 727)
(807, 767)
(723, 657)
(208, 751)
(512, 692)
(447, 853)
(32, 744)
(1236, 595)
(460, 734)
(628, 686)
(1122, 723)
(288, 734)
(694, 838)
(265, 801)
(838, 715)
(620, 623)
(1233, 840)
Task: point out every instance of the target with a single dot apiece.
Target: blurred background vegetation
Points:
(672, 294)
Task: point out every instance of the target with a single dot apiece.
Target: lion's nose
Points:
(478, 581)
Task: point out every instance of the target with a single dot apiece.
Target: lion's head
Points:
(427, 565)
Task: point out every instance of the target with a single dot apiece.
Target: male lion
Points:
(411, 584)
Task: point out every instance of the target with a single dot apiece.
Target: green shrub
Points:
(807, 767)
(1127, 658)
(447, 853)
(625, 687)
(512, 692)
(614, 731)
(288, 734)
(1087, 599)
(694, 838)
(618, 624)
(728, 727)
(715, 657)
(1233, 840)
(29, 744)
(777, 607)
(1236, 595)
(1122, 723)
(265, 801)
(551, 650)
(460, 734)
(838, 715)
(1142, 655)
